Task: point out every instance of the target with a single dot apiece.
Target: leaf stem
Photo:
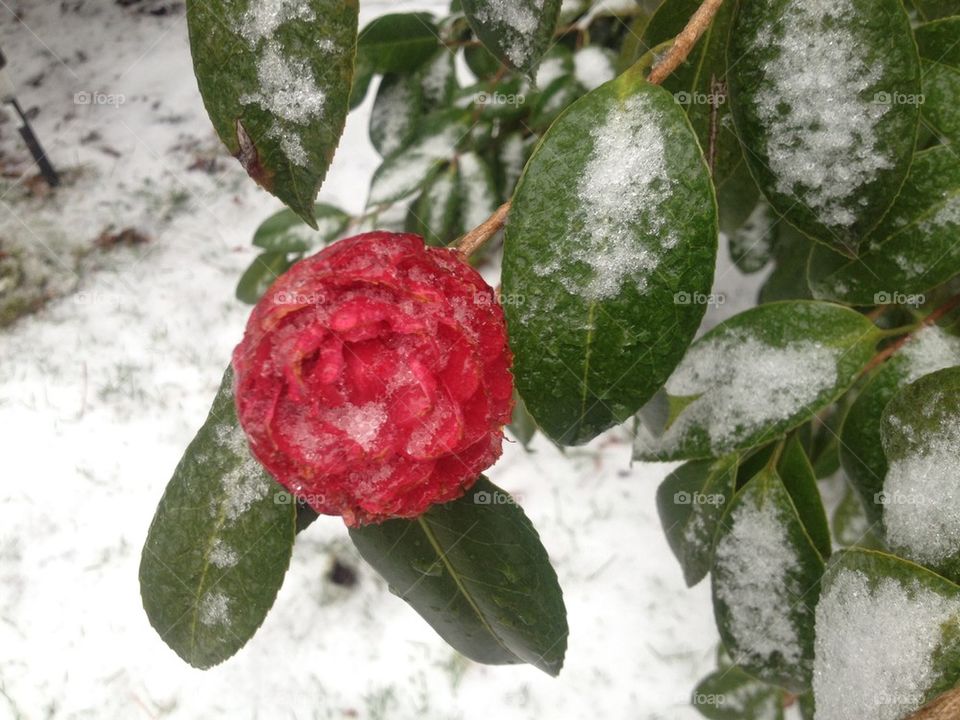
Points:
(475, 239)
(931, 319)
(685, 41)
(678, 52)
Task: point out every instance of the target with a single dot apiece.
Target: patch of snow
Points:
(478, 201)
(875, 646)
(361, 423)
(930, 350)
(215, 608)
(222, 555)
(518, 21)
(592, 67)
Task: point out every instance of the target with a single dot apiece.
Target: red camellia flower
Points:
(373, 379)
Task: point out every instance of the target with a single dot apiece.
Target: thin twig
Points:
(931, 319)
(685, 41)
(475, 239)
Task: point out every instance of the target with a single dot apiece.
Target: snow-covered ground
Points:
(101, 391)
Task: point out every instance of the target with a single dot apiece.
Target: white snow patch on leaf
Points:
(622, 186)
(743, 384)
(246, 483)
(755, 560)
(822, 141)
(875, 647)
(264, 17)
(478, 199)
(406, 170)
(930, 350)
(215, 608)
(222, 555)
(519, 21)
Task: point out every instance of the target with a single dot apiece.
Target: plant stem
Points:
(931, 319)
(681, 48)
(475, 239)
(685, 41)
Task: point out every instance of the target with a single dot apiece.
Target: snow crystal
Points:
(246, 483)
(214, 608)
(287, 86)
(478, 202)
(592, 67)
(949, 214)
(875, 647)
(921, 511)
(743, 384)
(825, 148)
(623, 182)
(930, 350)
(519, 21)
(755, 560)
(361, 422)
(264, 17)
(222, 555)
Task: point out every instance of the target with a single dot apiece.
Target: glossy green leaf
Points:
(766, 580)
(398, 42)
(819, 95)
(691, 502)
(940, 56)
(861, 448)
(921, 441)
(699, 84)
(611, 246)
(396, 112)
(285, 231)
(788, 280)
(516, 31)
(522, 425)
(435, 215)
(798, 478)
(888, 637)
(219, 544)
(476, 571)
(407, 170)
(761, 374)
(277, 87)
(257, 278)
(912, 251)
(732, 694)
(934, 9)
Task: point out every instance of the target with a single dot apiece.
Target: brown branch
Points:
(931, 319)
(475, 239)
(685, 41)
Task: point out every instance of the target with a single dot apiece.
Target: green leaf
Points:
(814, 94)
(921, 441)
(436, 214)
(554, 99)
(258, 278)
(699, 84)
(888, 637)
(691, 502)
(752, 244)
(912, 251)
(732, 694)
(518, 32)
(934, 9)
(398, 42)
(438, 80)
(850, 524)
(522, 425)
(798, 478)
(477, 189)
(277, 87)
(476, 571)
(766, 580)
(405, 171)
(285, 231)
(611, 243)
(219, 544)
(761, 374)
(396, 112)
(788, 281)
(861, 447)
(940, 59)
